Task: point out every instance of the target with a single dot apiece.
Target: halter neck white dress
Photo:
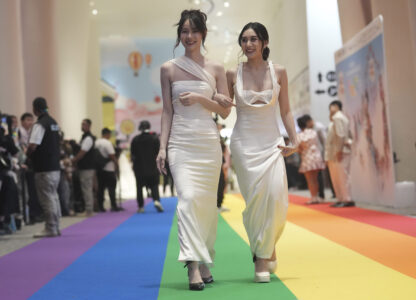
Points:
(195, 158)
(259, 164)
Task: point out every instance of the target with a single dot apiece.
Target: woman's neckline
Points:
(251, 90)
(190, 80)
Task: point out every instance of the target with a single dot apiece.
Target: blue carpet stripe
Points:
(126, 264)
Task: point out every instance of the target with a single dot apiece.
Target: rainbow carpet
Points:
(324, 253)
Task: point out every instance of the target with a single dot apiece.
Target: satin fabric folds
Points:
(259, 164)
(194, 155)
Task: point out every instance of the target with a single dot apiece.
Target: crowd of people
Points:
(44, 176)
(42, 173)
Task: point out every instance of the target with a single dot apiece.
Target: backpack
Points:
(99, 160)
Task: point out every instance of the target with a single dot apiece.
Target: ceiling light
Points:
(94, 12)
(219, 14)
(213, 27)
(226, 4)
(197, 2)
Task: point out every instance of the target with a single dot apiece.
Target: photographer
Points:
(9, 200)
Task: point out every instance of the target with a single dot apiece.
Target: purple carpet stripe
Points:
(26, 270)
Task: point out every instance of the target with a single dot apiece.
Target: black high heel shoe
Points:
(197, 286)
(208, 280)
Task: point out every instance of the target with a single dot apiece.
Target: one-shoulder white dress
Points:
(195, 158)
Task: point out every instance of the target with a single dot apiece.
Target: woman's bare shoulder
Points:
(166, 69)
(279, 69)
(214, 65)
(166, 66)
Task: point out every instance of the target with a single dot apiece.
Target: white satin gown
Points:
(259, 164)
(195, 158)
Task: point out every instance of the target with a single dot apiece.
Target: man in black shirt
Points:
(86, 166)
(144, 149)
(44, 151)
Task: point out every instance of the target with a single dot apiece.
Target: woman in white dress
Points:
(192, 141)
(257, 146)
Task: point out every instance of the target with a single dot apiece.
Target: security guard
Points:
(44, 151)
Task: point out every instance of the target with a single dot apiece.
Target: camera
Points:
(5, 124)
(7, 146)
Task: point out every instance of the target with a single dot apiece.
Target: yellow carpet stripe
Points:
(315, 268)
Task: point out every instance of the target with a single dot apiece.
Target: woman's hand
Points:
(223, 100)
(161, 161)
(188, 98)
(289, 149)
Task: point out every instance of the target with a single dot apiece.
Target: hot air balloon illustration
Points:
(148, 59)
(135, 61)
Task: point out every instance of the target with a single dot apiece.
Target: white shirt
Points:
(338, 138)
(106, 149)
(24, 136)
(36, 136)
(87, 144)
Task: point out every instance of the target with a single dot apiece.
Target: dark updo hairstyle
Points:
(197, 19)
(261, 33)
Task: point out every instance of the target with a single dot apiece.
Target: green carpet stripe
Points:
(233, 272)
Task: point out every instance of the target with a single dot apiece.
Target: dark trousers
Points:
(220, 192)
(151, 182)
(106, 180)
(168, 180)
(64, 193)
(321, 184)
(292, 176)
(35, 210)
(9, 197)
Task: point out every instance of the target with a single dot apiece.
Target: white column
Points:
(39, 53)
(94, 108)
(12, 96)
(71, 40)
